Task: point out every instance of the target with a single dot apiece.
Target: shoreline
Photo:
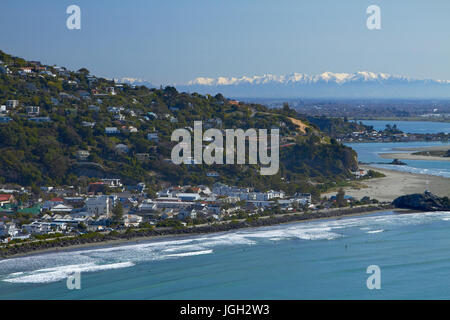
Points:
(264, 222)
(396, 184)
(410, 156)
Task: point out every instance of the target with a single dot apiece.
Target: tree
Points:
(117, 214)
(83, 71)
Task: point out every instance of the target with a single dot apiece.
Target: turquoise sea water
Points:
(325, 259)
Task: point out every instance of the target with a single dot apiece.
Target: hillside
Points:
(70, 127)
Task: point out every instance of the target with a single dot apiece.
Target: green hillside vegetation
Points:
(45, 153)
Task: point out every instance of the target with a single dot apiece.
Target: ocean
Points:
(322, 259)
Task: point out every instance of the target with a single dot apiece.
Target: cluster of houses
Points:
(384, 136)
(68, 210)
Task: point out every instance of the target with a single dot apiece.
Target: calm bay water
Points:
(411, 126)
(368, 153)
(324, 259)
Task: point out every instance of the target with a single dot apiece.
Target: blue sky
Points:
(174, 41)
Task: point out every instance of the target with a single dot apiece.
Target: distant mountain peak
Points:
(302, 78)
(327, 84)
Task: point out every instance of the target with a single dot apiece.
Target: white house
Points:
(61, 208)
(188, 196)
(153, 136)
(32, 110)
(88, 124)
(112, 183)
(100, 205)
(111, 130)
(212, 174)
(8, 229)
(83, 155)
(37, 227)
(131, 220)
(12, 104)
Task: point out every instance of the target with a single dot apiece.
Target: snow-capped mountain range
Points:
(361, 84)
(301, 78)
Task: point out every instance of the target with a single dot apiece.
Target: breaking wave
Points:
(52, 267)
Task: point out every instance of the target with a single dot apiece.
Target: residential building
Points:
(131, 220)
(212, 174)
(12, 104)
(111, 130)
(32, 111)
(83, 155)
(6, 199)
(188, 196)
(50, 204)
(62, 209)
(153, 136)
(8, 229)
(88, 124)
(100, 205)
(112, 183)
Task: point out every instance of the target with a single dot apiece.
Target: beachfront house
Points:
(8, 229)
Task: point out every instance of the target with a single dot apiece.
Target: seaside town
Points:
(108, 205)
(119, 115)
(390, 134)
(91, 156)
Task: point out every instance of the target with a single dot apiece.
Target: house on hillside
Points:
(6, 199)
(112, 130)
(32, 111)
(153, 136)
(12, 104)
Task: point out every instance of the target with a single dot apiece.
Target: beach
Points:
(397, 183)
(265, 221)
(410, 156)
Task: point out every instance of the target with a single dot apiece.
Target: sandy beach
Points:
(398, 183)
(410, 156)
